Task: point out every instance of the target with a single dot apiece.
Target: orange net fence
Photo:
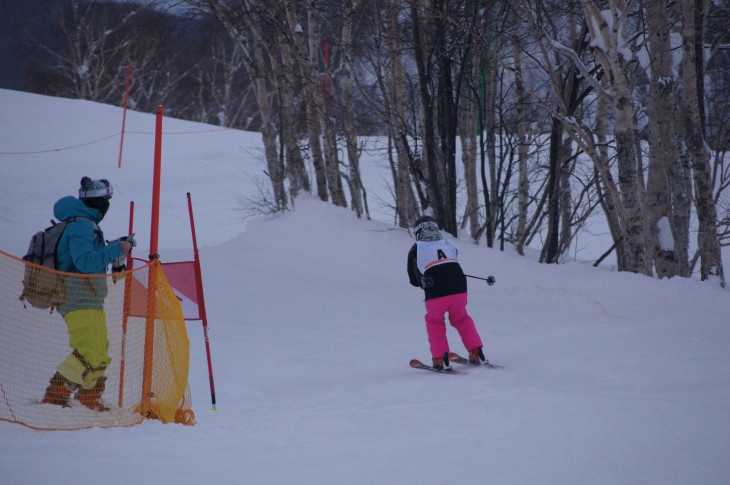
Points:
(108, 334)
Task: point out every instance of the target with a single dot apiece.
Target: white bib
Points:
(434, 253)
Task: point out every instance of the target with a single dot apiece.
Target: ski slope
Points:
(609, 378)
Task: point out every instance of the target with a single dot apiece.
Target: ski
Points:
(454, 357)
(417, 364)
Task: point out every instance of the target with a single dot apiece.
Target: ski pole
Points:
(489, 279)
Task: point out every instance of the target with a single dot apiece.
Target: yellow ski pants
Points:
(88, 337)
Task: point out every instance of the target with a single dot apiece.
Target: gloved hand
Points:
(490, 280)
(119, 264)
(118, 267)
(127, 243)
(130, 239)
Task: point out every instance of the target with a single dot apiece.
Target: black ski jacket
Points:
(437, 270)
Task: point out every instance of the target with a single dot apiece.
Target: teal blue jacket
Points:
(81, 249)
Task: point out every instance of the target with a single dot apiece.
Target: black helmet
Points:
(426, 229)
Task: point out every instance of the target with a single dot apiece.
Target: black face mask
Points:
(99, 203)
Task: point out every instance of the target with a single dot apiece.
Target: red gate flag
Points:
(181, 276)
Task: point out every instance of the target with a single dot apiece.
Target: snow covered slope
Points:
(609, 378)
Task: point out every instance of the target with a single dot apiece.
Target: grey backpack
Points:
(43, 288)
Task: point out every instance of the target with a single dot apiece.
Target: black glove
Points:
(491, 280)
(426, 282)
(118, 265)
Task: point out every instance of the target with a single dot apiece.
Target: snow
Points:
(609, 378)
(664, 233)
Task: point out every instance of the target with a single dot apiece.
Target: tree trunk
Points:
(663, 149)
(254, 62)
(549, 252)
(296, 170)
(310, 85)
(320, 109)
(608, 43)
(395, 110)
(434, 183)
(522, 149)
(610, 198)
(709, 246)
(268, 131)
(353, 155)
(566, 201)
(468, 124)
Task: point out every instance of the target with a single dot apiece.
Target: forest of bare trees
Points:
(511, 121)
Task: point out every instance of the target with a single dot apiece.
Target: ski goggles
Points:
(97, 188)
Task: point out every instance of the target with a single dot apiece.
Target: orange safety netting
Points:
(148, 345)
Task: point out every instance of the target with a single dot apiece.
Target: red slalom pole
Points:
(201, 300)
(124, 115)
(125, 315)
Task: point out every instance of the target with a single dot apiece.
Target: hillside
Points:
(609, 378)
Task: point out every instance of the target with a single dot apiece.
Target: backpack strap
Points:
(93, 223)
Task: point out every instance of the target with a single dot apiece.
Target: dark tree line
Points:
(513, 120)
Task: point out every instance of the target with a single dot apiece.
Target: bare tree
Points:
(709, 247)
(667, 205)
(244, 24)
(288, 85)
(320, 106)
(609, 42)
(89, 48)
(311, 83)
(358, 198)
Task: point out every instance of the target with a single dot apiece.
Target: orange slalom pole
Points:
(124, 115)
(201, 300)
(125, 316)
(149, 342)
(154, 230)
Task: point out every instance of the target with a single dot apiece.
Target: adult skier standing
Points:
(81, 249)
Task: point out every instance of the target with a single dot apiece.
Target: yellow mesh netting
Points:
(148, 346)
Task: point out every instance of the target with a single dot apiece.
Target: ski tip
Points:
(415, 363)
(454, 356)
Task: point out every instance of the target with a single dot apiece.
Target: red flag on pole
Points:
(181, 276)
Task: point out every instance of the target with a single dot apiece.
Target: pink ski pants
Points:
(436, 310)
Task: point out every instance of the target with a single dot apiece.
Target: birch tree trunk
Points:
(663, 248)
(268, 131)
(310, 84)
(609, 49)
(320, 109)
(522, 149)
(566, 201)
(357, 192)
(490, 126)
(296, 170)
(254, 61)
(433, 174)
(396, 114)
(468, 123)
(709, 246)
(610, 198)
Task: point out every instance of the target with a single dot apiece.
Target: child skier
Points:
(434, 266)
